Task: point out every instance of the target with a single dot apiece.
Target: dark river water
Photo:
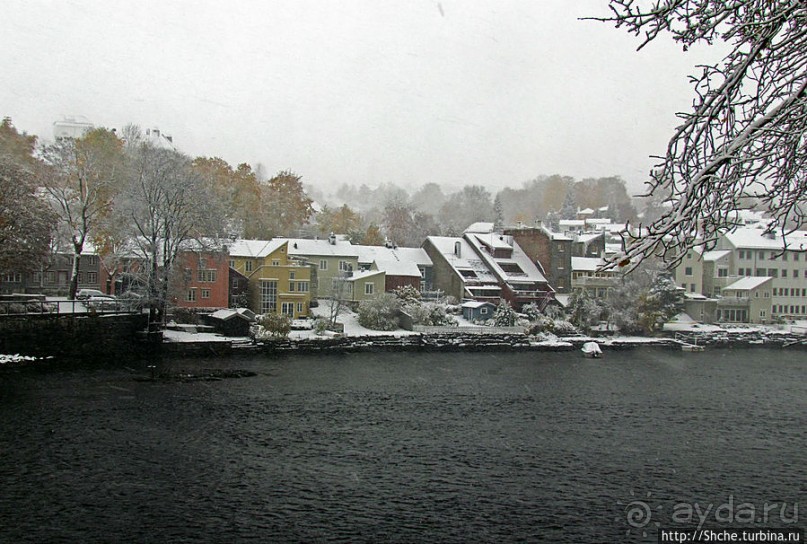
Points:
(403, 447)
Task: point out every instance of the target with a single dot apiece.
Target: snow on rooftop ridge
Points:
(747, 283)
(481, 227)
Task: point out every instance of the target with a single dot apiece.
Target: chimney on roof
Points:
(458, 249)
(538, 223)
(332, 239)
(387, 243)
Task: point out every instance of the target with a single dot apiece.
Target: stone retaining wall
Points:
(84, 337)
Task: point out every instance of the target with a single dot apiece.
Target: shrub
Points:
(563, 328)
(531, 311)
(504, 316)
(320, 326)
(272, 326)
(407, 294)
(380, 313)
(429, 314)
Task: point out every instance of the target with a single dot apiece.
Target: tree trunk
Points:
(77, 249)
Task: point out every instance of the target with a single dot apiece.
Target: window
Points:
(691, 287)
(232, 263)
(742, 254)
(784, 256)
(191, 295)
(741, 272)
(291, 274)
(369, 288)
(747, 271)
(205, 293)
(13, 277)
(302, 286)
(795, 257)
(92, 277)
(760, 272)
(287, 308)
(722, 273)
(784, 272)
(50, 276)
(483, 311)
(206, 276)
(773, 272)
(268, 296)
(292, 285)
(760, 255)
(248, 266)
(275, 262)
(235, 283)
(762, 314)
(688, 271)
(773, 255)
(323, 264)
(299, 307)
(344, 266)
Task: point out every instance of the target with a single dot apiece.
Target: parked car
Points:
(131, 300)
(84, 294)
(103, 302)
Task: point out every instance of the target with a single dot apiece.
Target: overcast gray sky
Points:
(491, 92)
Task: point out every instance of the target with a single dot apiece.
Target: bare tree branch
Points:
(744, 136)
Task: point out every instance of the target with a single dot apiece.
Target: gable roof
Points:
(398, 268)
(364, 275)
(255, 248)
(467, 260)
(747, 283)
(321, 248)
(416, 255)
(755, 238)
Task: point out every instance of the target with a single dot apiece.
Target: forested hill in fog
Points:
(433, 209)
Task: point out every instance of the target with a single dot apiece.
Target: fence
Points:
(57, 308)
(468, 330)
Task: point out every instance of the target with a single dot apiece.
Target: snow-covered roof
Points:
(577, 223)
(467, 259)
(747, 283)
(417, 255)
(587, 211)
(398, 268)
(225, 315)
(587, 237)
(755, 238)
(715, 255)
(586, 264)
(364, 275)
(476, 304)
(321, 248)
(481, 227)
(254, 248)
(517, 267)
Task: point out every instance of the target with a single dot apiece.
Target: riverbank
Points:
(205, 344)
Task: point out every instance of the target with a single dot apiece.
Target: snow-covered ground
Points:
(349, 320)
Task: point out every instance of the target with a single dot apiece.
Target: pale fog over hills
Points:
(362, 93)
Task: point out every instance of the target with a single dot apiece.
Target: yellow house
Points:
(277, 283)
